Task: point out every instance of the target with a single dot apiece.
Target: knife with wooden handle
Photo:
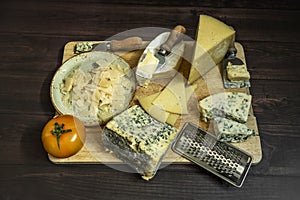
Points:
(127, 44)
(165, 49)
(231, 58)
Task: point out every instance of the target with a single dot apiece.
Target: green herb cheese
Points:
(231, 131)
(231, 105)
(144, 135)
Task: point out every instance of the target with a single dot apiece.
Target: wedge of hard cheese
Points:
(156, 111)
(212, 42)
(173, 97)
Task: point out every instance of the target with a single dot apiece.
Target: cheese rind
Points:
(231, 131)
(232, 105)
(139, 140)
(212, 42)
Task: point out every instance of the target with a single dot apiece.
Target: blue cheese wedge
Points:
(231, 105)
(228, 130)
(139, 140)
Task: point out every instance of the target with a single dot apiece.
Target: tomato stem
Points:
(58, 131)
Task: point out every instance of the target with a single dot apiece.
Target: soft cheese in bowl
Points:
(93, 86)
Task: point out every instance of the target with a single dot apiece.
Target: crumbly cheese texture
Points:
(231, 131)
(100, 92)
(231, 105)
(212, 42)
(144, 135)
(237, 72)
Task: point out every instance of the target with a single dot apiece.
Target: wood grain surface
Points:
(33, 34)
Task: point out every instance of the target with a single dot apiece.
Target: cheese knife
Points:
(231, 57)
(127, 44)
(165, 49)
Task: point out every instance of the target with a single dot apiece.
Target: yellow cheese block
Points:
(212, 42)
(147, 67)
(156, 111)
(173, 97)
(172, 118)
(153, 110)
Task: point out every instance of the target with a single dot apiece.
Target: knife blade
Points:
(165, 49)
(127, 44)
(147, 67)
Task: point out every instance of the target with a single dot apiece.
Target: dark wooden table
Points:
(32, 36)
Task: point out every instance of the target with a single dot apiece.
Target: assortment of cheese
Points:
(142, 135)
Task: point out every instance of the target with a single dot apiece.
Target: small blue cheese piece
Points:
(81, 47)
(146, 138)
(237, 72)
(230, 131)
(231, 105)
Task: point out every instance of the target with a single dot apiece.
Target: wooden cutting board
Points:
(211, 83)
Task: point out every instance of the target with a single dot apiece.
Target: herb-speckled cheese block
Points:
(144, 140)
(228, 130)
(231, 105)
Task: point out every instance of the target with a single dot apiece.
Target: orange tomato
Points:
(63, 136)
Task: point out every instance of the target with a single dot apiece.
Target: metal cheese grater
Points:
(220, 158)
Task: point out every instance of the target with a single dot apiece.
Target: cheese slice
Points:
(230, 131)
(212, 42)
(173, 97)
(157, 111)
(147, 66)
(172, 119)
(231, 105)
(153, 110)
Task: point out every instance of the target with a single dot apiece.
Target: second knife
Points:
(128, 44)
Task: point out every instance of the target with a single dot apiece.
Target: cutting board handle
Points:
(175, 37)
(128, 44)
